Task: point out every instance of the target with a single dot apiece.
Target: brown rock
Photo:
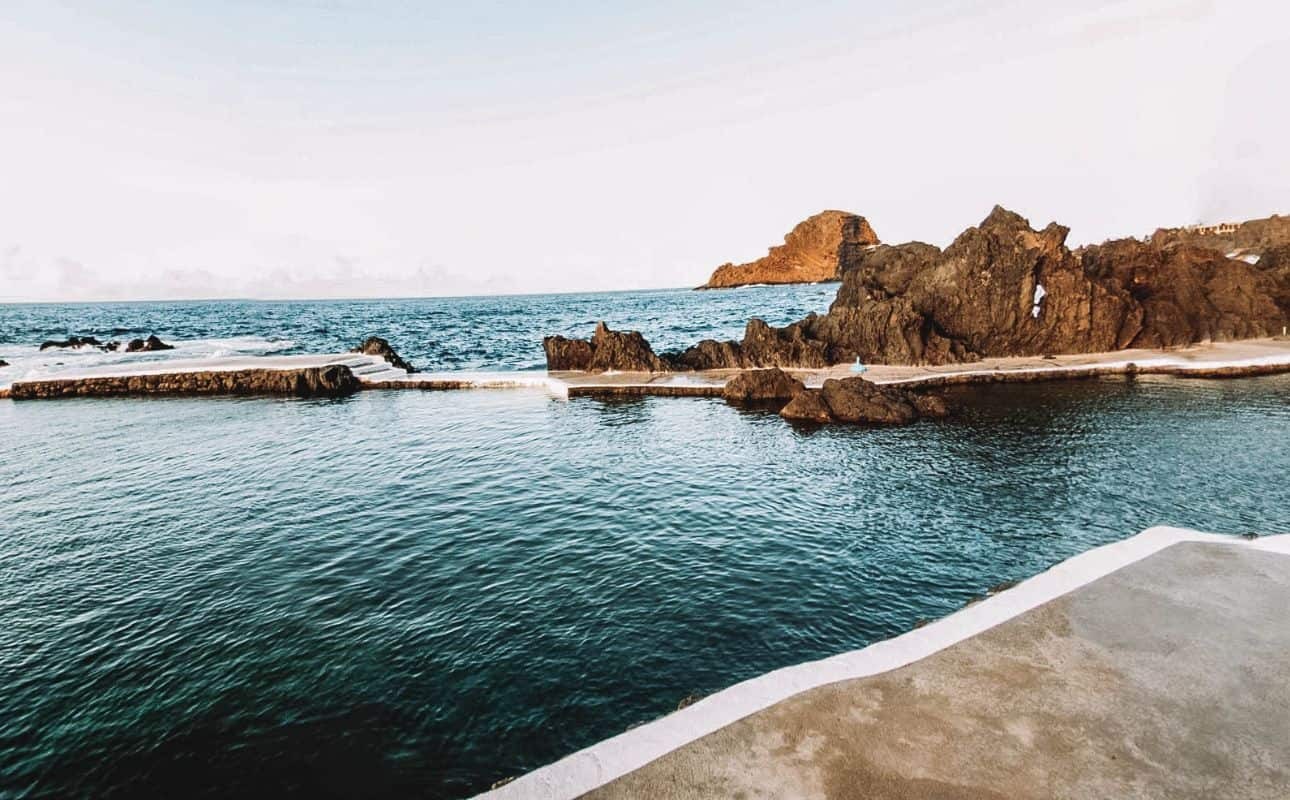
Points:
(859, 400)
(930, 406)
(376, 346)
(329, 381)
(762, 346)
(761, 386)
(820, 248)
(607, 350)
(807, 406)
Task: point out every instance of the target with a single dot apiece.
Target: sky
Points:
(347, 148)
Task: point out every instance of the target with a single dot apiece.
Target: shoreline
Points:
(245, 375)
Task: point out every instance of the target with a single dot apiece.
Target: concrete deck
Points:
(1153, 667)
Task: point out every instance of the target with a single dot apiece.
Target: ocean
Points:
(421, 593)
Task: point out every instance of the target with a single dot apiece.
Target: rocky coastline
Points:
(1001, 289)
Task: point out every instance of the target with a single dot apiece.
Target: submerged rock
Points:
(624, 351)
(376, 346)
(762, 386)
(71, 341)
(857, 400)
(151, 344)
(3, 363)
(820, 248)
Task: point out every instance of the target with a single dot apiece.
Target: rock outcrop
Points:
(149, 345)
(71, 341)
(856, 400)
(376, 346)
(762, 346)
(820, 248)
(330, 381)
(606, 350)
(1251, 238)
(761, 387)
(1002, 289)
(3, 363)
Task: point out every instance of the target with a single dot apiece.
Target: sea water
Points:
(420, 593)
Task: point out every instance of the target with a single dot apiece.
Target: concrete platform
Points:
(1154, 667)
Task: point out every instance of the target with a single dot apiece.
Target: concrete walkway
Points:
(1155, 667)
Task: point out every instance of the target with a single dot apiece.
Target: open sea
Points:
(416, 594)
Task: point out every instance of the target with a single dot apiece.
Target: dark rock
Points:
(3, 363)
(71, 341)
(329, 381)
(762, 346)
(376, 346)
(761, 386)
(859, 400)
(820, 248)
(930, 406)
(607, 350)
(807, 406)
(1005, 289)
(149, 345)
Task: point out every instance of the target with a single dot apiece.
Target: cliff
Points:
(820, 248)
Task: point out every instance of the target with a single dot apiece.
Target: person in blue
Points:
(857, 367)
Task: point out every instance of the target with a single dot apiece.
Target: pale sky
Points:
(344, 148)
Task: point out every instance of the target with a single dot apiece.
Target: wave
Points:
(28, 362)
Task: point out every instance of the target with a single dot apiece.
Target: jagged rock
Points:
(1005, 289)
(820, 248)
(330, 381)
(857, 400)
(623, 351)
(149, 345)
(71, 341)
(376, 346)
(762, 346)
(807, 406)
(761, 386)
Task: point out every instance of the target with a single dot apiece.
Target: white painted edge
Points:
(1182, 365)
(612, 758)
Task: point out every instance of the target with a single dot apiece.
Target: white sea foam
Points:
(29, 362)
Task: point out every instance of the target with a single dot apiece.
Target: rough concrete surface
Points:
(1169, 678)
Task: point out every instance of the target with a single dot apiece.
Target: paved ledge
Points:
(1151, 667)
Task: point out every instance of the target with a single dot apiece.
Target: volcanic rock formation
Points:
(857, 400)
(820, 248)
(376, 346)
(606, 350)
(71, 341)
(761, 386)
(149, 345)
(1003, 288)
